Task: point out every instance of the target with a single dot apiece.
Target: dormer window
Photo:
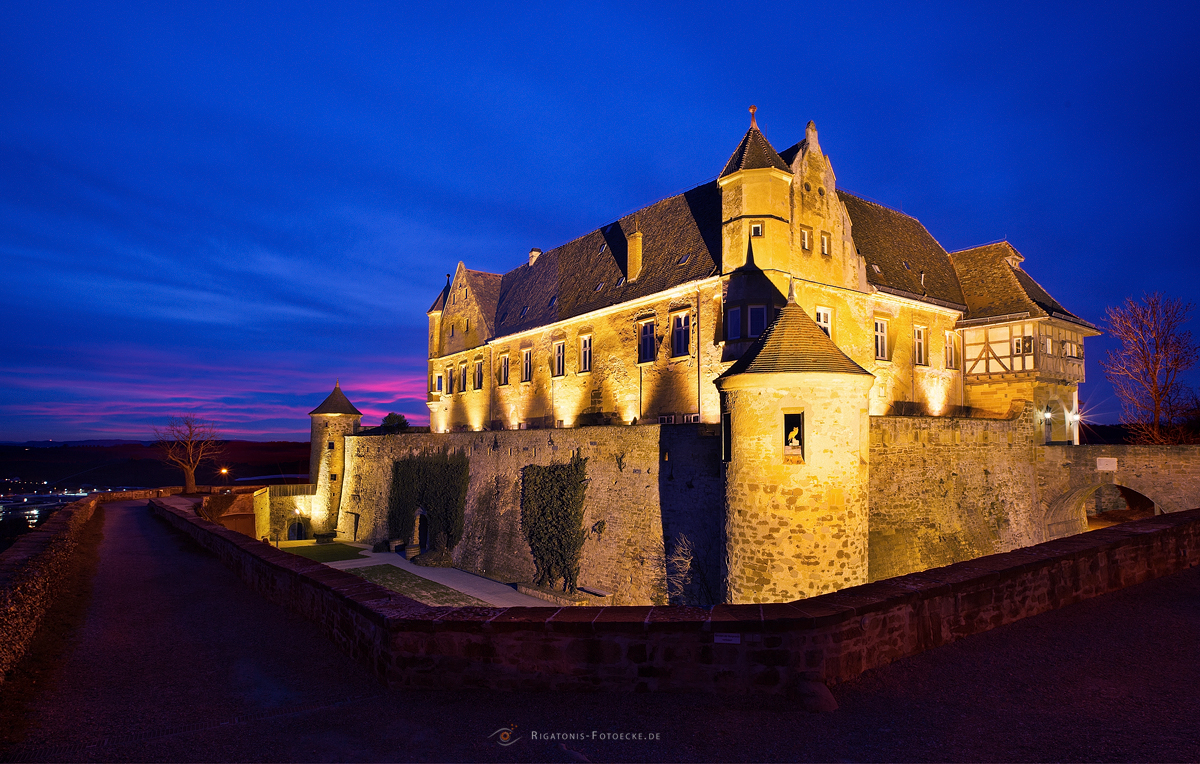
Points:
(906, 266)
(553, 301)
(621, 281)
(599, 286)
(876, 268)
(524, 311)
(756, 229)
(758, 320)
(603, 247)
(683, 258)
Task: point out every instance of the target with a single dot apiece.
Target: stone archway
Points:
(1068, 514)
(296, 531)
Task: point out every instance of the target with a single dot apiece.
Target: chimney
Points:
(533, 255)
(633, 260)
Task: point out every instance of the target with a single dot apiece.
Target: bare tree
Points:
(187, 442)
(1145, 373)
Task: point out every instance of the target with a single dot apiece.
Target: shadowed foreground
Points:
(176, 660)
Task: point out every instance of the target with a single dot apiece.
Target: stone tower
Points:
(332, 421)
(794, 418)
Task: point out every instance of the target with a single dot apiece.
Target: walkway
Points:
(491, 592)
(176, 660)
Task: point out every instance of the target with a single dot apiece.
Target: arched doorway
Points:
(296, 531)
(423, 532)
(1115, 504)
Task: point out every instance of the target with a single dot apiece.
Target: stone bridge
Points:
(1068, 476)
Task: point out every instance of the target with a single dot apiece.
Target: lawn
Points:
(325, 552)
(415, 587)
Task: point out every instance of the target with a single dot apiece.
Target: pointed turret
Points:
(755, 204)
(336, 403)
(332, 421)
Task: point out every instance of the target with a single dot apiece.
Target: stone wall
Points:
(32, 570)
(646, 483)
(730, 648)
(949, 489)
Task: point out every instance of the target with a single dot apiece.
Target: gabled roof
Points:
(754, 153)
(994, 284)
(902, 249)
(336, 403)
(440, 303)
(681, 242)
(793, 343)
(485, 288)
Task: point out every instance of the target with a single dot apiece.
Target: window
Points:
(478, 375)
(1022, 345)
(585, 353)
(1047, 346)
(599, 286)
(726, 436)
(824, 243)
(524, 311)
(467, 325)
(503, 370)
(756, 229)
(919, 356)
(667, 419)
(805, 239)
(875, 268)
(683, 258)
(333, 476)
(439, 383)
(881, 343)
(691, 419)
(733, 324)
(621, 281)
(646, 342)
(758, 320)
(553, 301)
(825, 320)
(559, 359)
(450, 380)
(526, 365)
(462, 377)
(953, 356)
(331, 445)
(681, 336)
(451, 330)
(793, 436)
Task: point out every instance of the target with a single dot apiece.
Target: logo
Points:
(505, 735)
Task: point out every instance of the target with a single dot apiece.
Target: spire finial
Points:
(337, 382)
(753, 122)
(791, 291)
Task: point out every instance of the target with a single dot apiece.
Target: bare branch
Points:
(1145, 373)
(187, 442)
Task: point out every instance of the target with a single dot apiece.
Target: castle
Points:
(792, 319)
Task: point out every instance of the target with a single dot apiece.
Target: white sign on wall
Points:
(1106, 464)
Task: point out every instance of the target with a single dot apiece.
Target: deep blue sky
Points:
(223, 209)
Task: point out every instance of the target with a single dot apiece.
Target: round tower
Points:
(332, 421)
(794, 418)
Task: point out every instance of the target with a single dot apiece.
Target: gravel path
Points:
(176, 660)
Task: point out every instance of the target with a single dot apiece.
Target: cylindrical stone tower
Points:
(332, 421)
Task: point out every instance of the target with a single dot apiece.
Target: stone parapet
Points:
(730, 648)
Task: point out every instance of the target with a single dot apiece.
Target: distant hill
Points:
(133, 463)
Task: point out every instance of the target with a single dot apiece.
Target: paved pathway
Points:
(176, 660)
(491, 592)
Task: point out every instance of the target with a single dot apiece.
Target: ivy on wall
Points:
(552, 520)
(436, 481)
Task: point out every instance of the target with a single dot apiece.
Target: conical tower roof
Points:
(793, 343)
(336, 403)
(754, 152)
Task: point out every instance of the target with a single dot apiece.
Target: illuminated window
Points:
(953, 354)
(1047, 346)
(646, 342)
(1022, 345)
(450, 380)
(478, 375)
(733, 324)
(439, 383)
(758, 320)
(585, 353)
(503, 370)
(462, 377)
(526, 365)
(825, 320)
(805, 239)
(559, 359)
(793, 435)
(681, 334)
(919, 334)
(881, 342)
(824, 243)
(756, 229)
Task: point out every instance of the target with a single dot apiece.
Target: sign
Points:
(727, 639)
(1106, 464)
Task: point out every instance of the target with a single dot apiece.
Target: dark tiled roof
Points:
(336, 403)
(754, 153)
(890, 239)
(563, 281)
(994, 287)
(485, 287)
(440, 302)
(793, 343)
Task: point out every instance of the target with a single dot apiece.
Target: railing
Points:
(297, 489)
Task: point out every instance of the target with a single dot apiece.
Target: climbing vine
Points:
(436, 481)
(552, 520)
